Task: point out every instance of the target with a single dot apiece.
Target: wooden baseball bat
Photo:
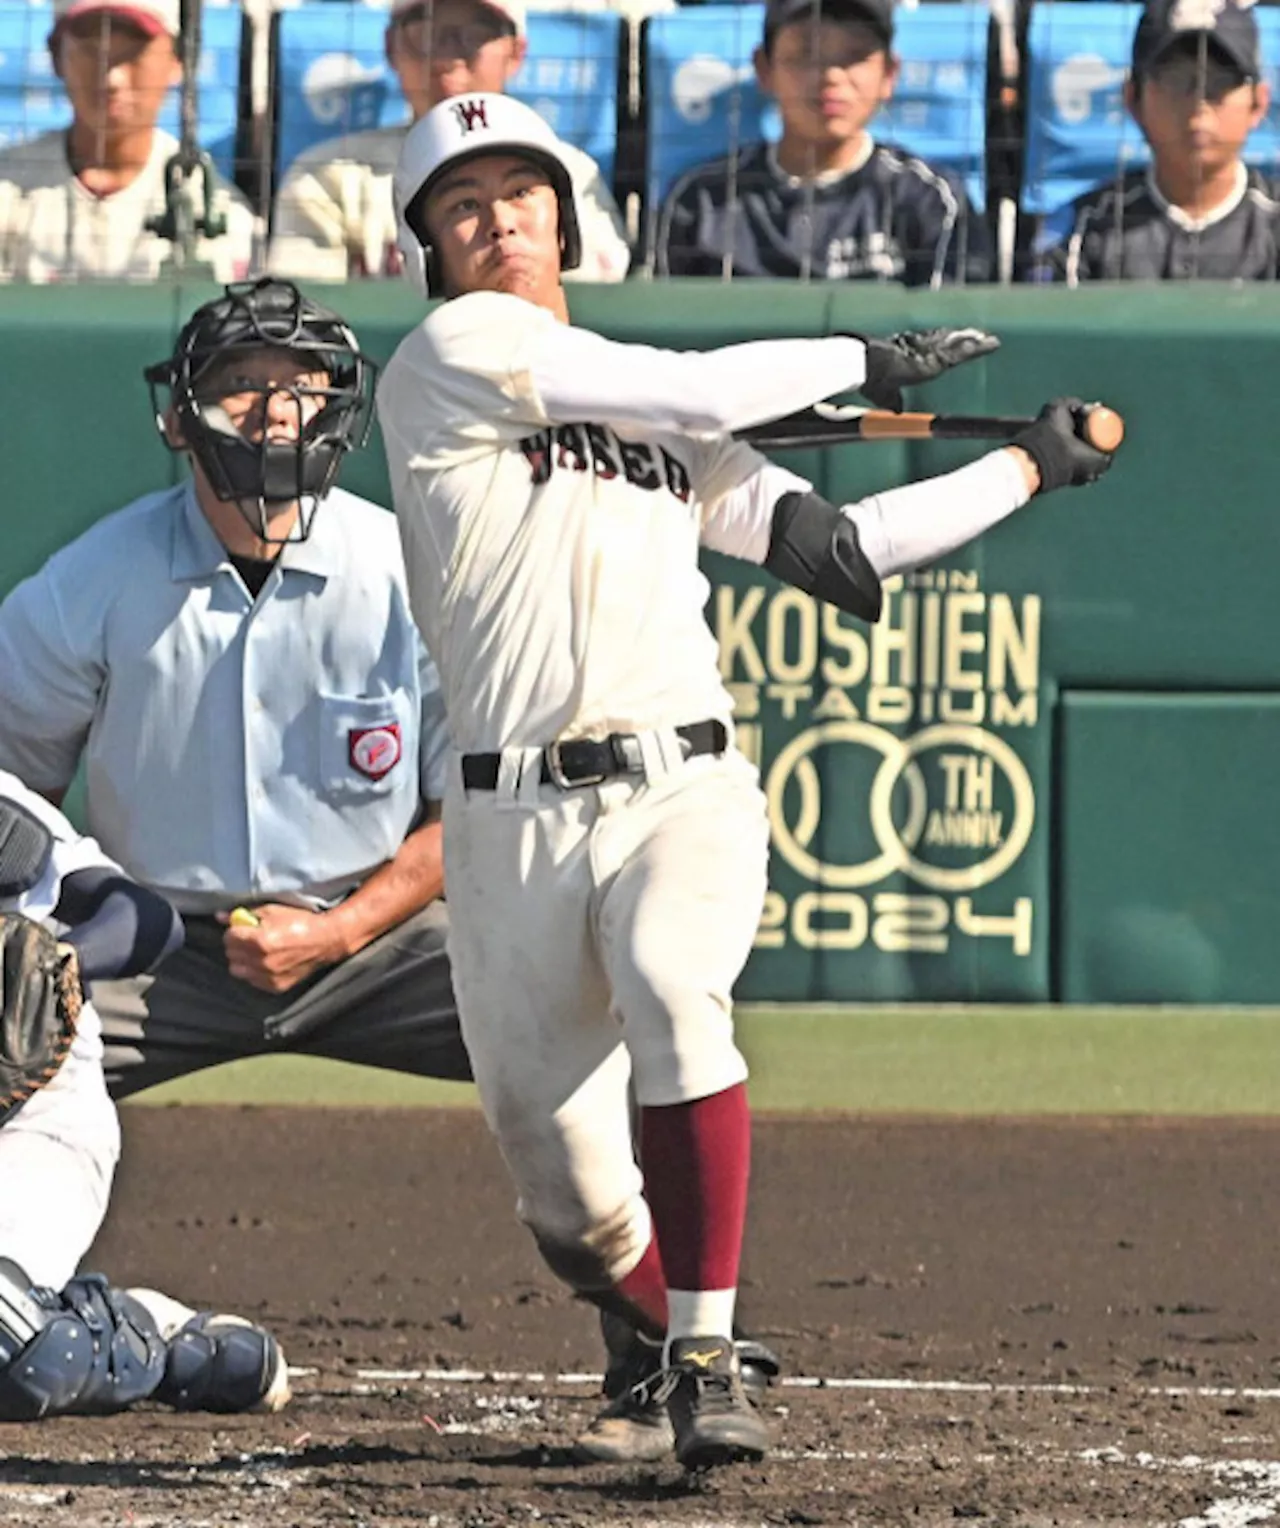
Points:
(833, 424)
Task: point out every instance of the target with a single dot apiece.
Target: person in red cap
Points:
(75, 204)
(333, 215)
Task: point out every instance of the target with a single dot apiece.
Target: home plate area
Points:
(1055, 1322)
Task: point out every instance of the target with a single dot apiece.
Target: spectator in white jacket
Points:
(75, 203)
(333, 217)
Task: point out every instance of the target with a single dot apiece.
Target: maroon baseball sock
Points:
(645, 1288)
(697, 1159)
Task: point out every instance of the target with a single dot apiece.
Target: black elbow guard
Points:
(815, 548)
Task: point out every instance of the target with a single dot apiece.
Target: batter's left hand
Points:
(904, 360)
(283, 948)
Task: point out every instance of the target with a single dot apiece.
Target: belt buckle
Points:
(555, 769)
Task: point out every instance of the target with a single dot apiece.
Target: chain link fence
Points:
(720, 140)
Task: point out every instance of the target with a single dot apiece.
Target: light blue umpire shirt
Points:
(235, 750)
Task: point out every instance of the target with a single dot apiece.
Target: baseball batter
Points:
(605, 844)
(234, 663)
(58, 1154)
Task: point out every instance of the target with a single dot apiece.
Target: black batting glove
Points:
(1056, 443)
(903, 360)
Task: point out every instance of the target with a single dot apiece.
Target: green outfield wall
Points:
(1049, 773)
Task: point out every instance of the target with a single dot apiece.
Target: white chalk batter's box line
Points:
(369, 1381)
(1241, 1492)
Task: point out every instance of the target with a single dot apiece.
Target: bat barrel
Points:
(976, 426)
(811, 428)
(1099, 425)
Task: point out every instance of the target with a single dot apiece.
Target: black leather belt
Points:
(591, 761)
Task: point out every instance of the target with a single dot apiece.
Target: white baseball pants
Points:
(58, 1155)
(596, 935)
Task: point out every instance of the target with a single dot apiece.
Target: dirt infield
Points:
(1017, 1322)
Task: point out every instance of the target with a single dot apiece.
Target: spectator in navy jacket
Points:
(827, 200)
(1196, 90)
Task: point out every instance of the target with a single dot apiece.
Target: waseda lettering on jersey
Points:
(595, 448)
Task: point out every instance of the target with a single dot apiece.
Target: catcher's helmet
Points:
(254, 316)
(463, 128)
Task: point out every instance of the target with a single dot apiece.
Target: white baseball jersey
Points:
(552, 568)
(334, 217)
(53, 229)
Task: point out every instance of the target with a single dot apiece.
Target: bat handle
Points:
(1102, 427)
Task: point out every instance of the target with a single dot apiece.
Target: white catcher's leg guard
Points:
(215, 1361)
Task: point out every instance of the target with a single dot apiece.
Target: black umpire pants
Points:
(389, 1005)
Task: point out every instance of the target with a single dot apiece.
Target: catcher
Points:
(69, 915)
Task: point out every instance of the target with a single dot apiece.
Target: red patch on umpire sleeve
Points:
(375, 751)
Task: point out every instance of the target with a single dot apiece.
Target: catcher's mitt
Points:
(40, 1002)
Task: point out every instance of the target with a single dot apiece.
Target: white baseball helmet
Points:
(462, 128)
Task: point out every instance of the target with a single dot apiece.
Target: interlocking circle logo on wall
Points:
(907, 824)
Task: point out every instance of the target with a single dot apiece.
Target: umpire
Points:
(259, 722)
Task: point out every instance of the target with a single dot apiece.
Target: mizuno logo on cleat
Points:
(702, 1359)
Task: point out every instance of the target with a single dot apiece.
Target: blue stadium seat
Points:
(332, 77)
(1078, 132)
(702, 97)
(32, 99)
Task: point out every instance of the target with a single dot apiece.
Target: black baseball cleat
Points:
(633, 1427)
(760, 1366)
(713, 1420)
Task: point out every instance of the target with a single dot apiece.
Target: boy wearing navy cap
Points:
(827, 200)
(1197, 212)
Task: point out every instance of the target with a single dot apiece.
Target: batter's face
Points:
(451, 48)
(494, 223)
(1196, 109)
(116, 75)
(829, 77)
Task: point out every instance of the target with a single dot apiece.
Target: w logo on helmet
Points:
(471, 115)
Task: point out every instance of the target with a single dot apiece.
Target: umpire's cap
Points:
(462, 128)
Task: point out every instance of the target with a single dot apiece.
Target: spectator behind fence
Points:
(334, 217)
(75, 203)
(1196, 91)
(826, 200)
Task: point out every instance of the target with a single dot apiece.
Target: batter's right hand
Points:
(903, 360)
(1055, 442)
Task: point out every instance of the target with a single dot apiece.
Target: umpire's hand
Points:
(904, 360)
(284, 947)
